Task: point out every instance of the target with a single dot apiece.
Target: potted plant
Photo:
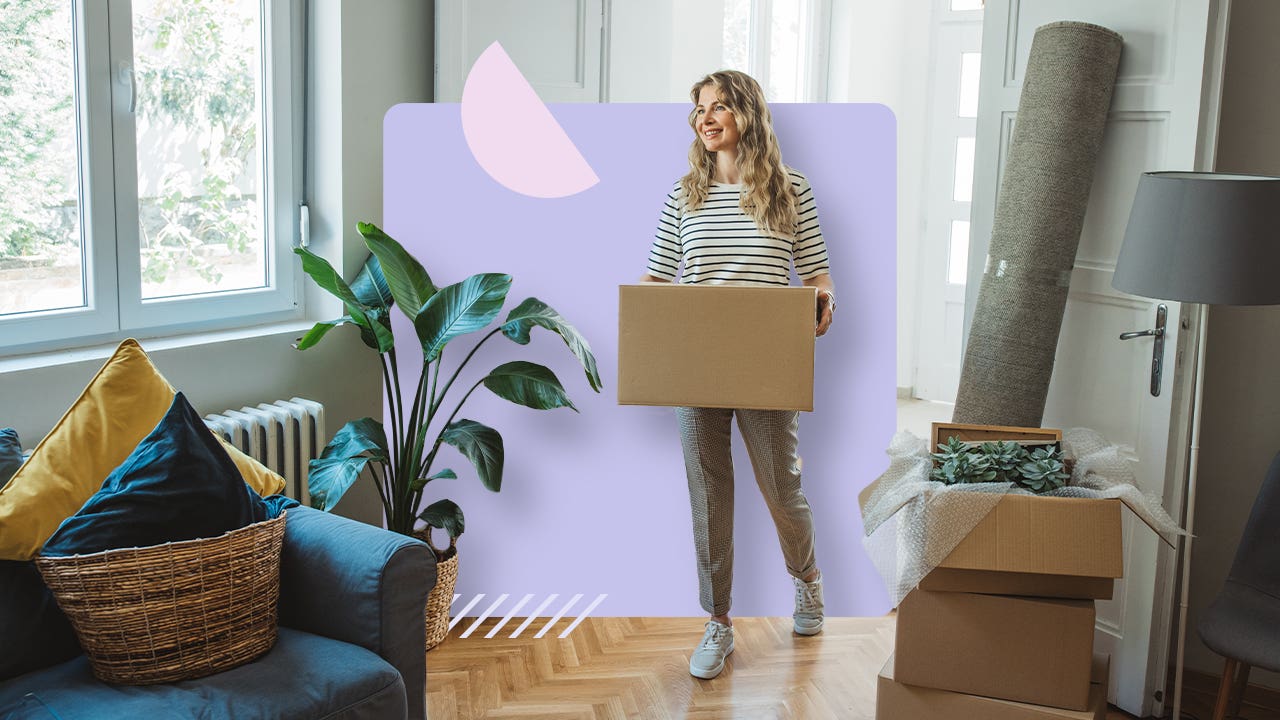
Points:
(1039, 470)
(401, 462)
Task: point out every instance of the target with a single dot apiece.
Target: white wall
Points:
(880, 53)
(368, 56)
(1241, 421)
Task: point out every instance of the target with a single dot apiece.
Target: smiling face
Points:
(714, 122)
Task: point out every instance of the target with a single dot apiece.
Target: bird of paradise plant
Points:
(402, 462)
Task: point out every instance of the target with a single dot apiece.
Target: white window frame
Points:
(817, 30)
(114, 308)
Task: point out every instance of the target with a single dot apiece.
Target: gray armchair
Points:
(351, 643)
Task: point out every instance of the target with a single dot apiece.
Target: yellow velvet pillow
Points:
(121, 405)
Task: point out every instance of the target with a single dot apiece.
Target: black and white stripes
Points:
(718, 243)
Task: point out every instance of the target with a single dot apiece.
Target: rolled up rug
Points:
(1062, 112)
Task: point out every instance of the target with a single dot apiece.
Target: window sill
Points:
(291, 329)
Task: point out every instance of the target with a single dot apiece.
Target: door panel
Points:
(555, 44)
(1099, 381)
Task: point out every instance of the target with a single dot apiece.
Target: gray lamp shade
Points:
(1211, 238)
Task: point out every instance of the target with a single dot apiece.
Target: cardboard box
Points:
(896, 701)
(1038, 546)
(716, 346)
(1033, 650)
(941, 432)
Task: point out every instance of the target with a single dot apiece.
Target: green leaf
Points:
(346, 455)
(330, 478)
(316, 333)
(533, 312)
(445, 474)
(327, 278)
(370, 286)
(482, 445)
(459, 309)
(407, 280)
(446, 515)
(364, 435)
(528, 384)
(375, 334)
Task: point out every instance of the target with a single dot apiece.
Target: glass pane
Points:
(966, 4)
(964, 170)
(41, 247)
(958, 256)
(969, 65)
(737, 34)
(786, 51)
(200, 151)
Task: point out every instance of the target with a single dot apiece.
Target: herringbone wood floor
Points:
(638, 668)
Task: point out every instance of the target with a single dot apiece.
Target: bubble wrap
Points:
(913, 523)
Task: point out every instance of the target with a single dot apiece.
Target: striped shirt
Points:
(719, 244)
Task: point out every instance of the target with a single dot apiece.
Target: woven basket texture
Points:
(440, 599)
(175, 611)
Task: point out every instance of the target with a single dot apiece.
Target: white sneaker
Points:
(717, 643)
(808, 615)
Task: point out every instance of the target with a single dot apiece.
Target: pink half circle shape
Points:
(513, 135)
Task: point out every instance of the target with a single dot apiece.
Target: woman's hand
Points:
(826, 311)
(826, 301)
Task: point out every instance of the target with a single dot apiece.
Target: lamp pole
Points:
(1189, 502)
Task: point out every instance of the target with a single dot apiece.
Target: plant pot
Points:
(441, 597)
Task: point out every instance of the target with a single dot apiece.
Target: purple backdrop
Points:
(596, 502)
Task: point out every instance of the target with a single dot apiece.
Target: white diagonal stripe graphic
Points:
(535, 614)
(511, 613)
(455, 599)
(559, 615)
(582, 615)
(463, 611)
(485, 615)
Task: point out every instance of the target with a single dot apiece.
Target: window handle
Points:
(124, 76)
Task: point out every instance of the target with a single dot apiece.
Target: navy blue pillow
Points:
(34, 633)
(10, 454)
(178, 484)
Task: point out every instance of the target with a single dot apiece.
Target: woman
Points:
(741, 217)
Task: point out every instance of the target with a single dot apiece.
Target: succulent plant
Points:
(1043, 470)
(953, 447)
(959, 463)
(1004, 458)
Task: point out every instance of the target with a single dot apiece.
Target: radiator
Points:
(285, 436)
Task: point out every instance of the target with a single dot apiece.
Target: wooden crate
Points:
(991, 433)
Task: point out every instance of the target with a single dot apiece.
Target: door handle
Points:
(1157, 349)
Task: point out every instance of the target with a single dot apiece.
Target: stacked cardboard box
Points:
(1009, 616)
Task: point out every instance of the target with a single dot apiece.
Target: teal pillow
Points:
(177, 484)
(10, 454)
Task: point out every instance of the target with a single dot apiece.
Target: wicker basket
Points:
(440, 598)
(175, 611)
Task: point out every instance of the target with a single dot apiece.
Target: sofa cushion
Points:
(177, 484)
(121, 404)
(10, 454)
(33, 632)
(304, 676)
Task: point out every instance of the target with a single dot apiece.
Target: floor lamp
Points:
(1209, 239)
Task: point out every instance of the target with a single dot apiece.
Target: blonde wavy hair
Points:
(768, 197)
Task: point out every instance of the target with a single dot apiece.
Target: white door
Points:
(1099, 381)
(555, 44)
(953, 112)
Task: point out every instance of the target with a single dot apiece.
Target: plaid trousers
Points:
(772, 441)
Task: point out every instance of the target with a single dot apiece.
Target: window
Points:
(146, 149)
(781, 43)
